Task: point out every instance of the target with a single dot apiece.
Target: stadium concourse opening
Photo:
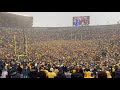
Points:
(58, 52)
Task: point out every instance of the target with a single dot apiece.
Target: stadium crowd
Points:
(62, 54)
(38, 69)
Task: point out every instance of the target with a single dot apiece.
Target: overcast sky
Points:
(63, 19)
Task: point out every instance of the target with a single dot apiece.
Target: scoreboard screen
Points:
(81, 21)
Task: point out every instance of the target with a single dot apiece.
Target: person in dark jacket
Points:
(77, 74)
(11, 71)
(33, 73)
(94, 73)
(28, 72)
(19, 69)
(41, 74)
(60, 74)
(102, 74)
(0, 71)
(64, 68)
(117, 72)
(81, 72)
(24, 72)
(16, 75)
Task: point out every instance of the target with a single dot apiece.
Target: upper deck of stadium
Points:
(12, 13)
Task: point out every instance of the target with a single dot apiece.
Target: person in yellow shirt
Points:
(113, 69)
(108, 74)
(51, 74)
(46, 72)
(21, 66)
(88, 74)
(29, 65)
(74, 71)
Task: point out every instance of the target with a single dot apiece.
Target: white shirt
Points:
(4, 74)
(35, 64)
(68, 74)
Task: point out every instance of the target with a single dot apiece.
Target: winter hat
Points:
(51, 69)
